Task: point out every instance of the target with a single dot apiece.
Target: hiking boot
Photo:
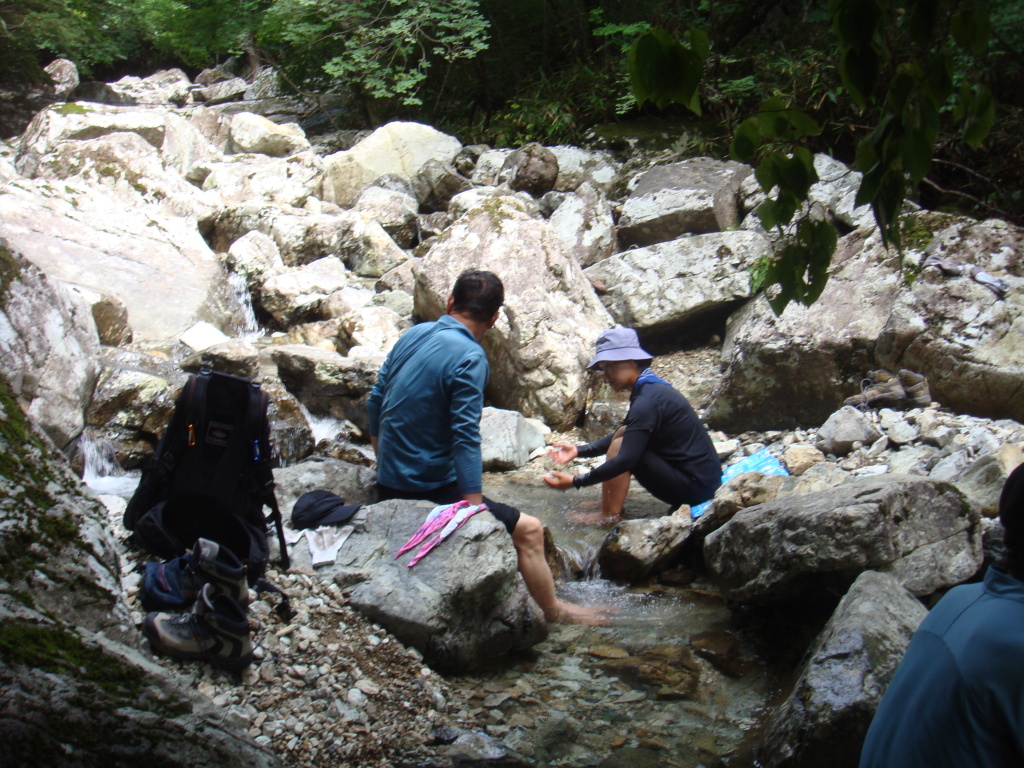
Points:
(880, 388)
(916, 387)
(210, 563)
(216, 631)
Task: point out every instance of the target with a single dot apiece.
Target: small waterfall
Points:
(324, 427)
(100, 468)
(578, 560)
(250, 330)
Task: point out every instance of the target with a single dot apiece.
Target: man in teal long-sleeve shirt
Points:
(957, 698)
(424, 413)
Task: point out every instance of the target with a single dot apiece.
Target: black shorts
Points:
(668, 483)
(449, 494)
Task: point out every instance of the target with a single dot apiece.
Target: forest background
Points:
(501, 73)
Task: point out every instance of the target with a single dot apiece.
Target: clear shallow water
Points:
(676, 679)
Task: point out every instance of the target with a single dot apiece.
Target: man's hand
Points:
(562, 452)
(561, 481)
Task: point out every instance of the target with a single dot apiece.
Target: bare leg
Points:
(528, 538)
(613, 492)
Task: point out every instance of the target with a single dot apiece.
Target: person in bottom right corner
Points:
(957, 698)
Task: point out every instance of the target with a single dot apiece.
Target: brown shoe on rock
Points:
(916, 387)
(880, 388)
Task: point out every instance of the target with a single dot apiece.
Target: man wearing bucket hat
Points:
(957, 697)
(662, 441)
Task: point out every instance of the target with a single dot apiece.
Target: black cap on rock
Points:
(317, 508)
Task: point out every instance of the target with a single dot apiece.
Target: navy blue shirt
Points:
(425, 409)
(957, 698)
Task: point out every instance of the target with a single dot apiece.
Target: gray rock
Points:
(922, 532)
(353, 483)
(223, 90)
(956, 331)
(982, 482)
(508, 439)
(294, 295)
(394, 211)
(325, 382)
(48, 348)
(532, 169)
(635, 549)
(436, 183)
(545, 333)
(912, 460)
(255, 133)
(825, 718)
(691, 197)
(662, 287)
(577, 167)
(64, 75)
(462, 606)
(843, 429)
(584, 221)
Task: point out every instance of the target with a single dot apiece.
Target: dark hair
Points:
(478, 293)
(1011, 515)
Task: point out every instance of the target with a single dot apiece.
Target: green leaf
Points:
(664, 72)
(921, 22)
(916, 152)
(746, 141)
(971, 28)
(859, 68)
(980, 118)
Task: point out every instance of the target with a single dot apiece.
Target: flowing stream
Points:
(677, 679)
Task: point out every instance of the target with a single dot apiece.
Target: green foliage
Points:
(800, 267)
(199, 32)
(89, 32)
(383, 48)
(668, 71)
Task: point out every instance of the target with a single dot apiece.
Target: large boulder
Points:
(255, 133)
(288, 180)
(690, 197)
(396, 148)
(545, 335)
(164, 88)
(158, 266)
(824, 719)
(296, 294)
(463, 606)
(793, 369)
(507, 439)
(327, 383)
(577, 167)
(584, 221)
(922, 532)
(634, 549)
(662, 287)
(958, 332)
(532, 168)
(48, 348)
(74, 689)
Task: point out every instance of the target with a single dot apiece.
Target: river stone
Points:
(255, 133)
(532, 168)
(662, 287)
(400, 148)
(463, 606)
(836, 190)
(234, 356)
(634, 549)
(224, 90)
(690, 197)
(158, 266)
(922, 532)
(957, 332)
(290, 431)
(370, 332)
(950, 467)
(109, 314)
(48, 348)
(394, 211)
(826, 716)
(289, 181)
(982, 482)
(64, 75)
(544, 337)
(294, 295)
(800, 457)
(843, 429)
(437, 183)
(327, 383)
(912, 460)
(577, 166)
(508, 439)
(934, 431)
(584, 221)
(795, 369)
(256, 257)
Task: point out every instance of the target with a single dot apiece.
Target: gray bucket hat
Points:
(617, 344)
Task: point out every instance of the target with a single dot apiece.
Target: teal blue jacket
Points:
(425, 409)
(957, 699)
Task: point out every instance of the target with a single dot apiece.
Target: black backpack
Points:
(211, 475)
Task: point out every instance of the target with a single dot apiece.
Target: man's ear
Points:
(451, 303)
(494, 319)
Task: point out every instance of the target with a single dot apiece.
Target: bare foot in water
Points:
(567, 613)
(590, 506)
(593, 518)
